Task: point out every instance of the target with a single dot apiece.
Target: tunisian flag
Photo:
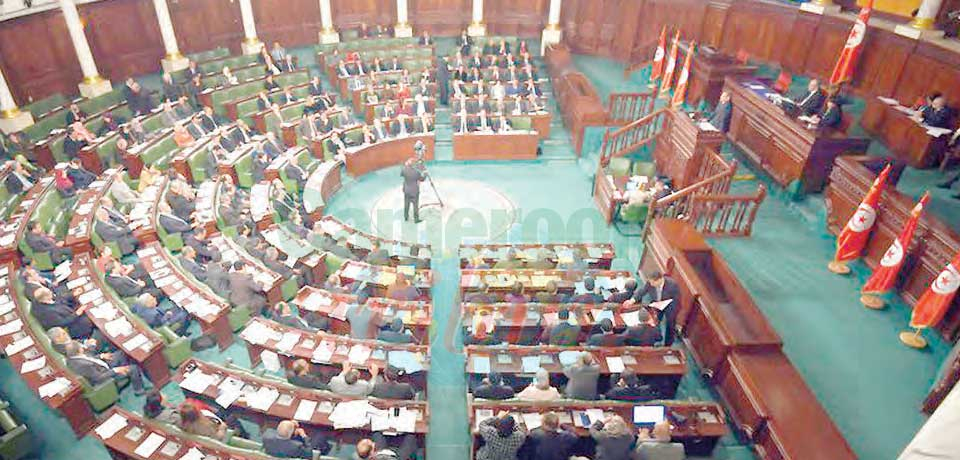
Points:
(843, 71)
(680, 93)
(885, 276)
(854, 235)
(671, 65)
(934, 303)
(657, 71)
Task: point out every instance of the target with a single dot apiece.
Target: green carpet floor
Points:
(850, 357)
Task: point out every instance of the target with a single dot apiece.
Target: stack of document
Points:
(263, 399)
(111, 426)
(351, 414)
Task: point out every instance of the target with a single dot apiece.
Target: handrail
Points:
(625, 108)
(726, 215)
(632, 136)
(679, 203)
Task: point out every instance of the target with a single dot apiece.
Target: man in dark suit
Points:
(562, 333)
(218, 277)
(661, 287)
(936, 113)
(124, 285)
(97, 371)
(288, 440)
(315, 88)
(809, 102)
(830, 117)
(720, 118)
(146, 307)
(644, 333)
(188, 260)
(39, 241)
(481, 295)
(606, 337)
(170, 222)
(113, 233)
(388, 387)
(493, 387)
(590, 297)
(629, 287)
(550, 441)
(195, 128)
(244, 290)
(412, 177)
(396, 333)
(627, 387)
(61, 311)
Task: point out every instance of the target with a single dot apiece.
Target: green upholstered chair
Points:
(16, 442)
(333, 262)
(238, 317)
(645, 168)
(244, 168)
(521, 123)
(98, 243)
(619, 167)
(171, 241)
(176, 349)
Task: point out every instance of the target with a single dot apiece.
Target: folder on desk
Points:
(531, 364)
(481, 365)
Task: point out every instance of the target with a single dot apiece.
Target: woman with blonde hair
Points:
(613, 437)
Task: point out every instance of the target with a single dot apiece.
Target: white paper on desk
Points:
(707, 126)
(62, 271)
(937, 132)
(6, 307)
(256, 333)
(531, 364)
(263, 398)
(631, 318)
(90, 296)
(270, 360)
(359, 354)
(111, 426)
(196, 381)
(531, 420)
(77, 282)
(193, 454)
(289, 340)
(660, 305)
(18, 346)
(53, 387)
(887, 100)
(104, 311)
(33, 364)
(351, 414)
(230, 389)
(119, 327)
(149, 445)
(405, 421)
(305, 410)
(323, 353)
(11, 327)
(615, 364)
(146, 252)
(316, 300)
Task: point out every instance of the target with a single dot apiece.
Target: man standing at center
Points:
(412, 177)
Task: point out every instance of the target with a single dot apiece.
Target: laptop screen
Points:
(648, 415)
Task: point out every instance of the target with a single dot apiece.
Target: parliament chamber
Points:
(479, 229)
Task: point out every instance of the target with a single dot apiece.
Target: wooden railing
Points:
(624, 108)
(725, 215)
(629, 138)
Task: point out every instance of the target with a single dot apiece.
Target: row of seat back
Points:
(16, 442)
(159, 153)
(385, 54)
(107, 150)
(46, 105)
(250, 88)
(207, 55)
(248, 107)
(368, 44)
(101, 396)
(233, 62)
(242, 74)
(290, 112)
(58, 119)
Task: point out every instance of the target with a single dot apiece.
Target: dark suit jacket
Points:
(411, 180)
(393, 390)
(552, 445)
(831, 118)
(394, 337)
(490, 391)
(41, 242)
(173, 224)
(124, 285)
(307, 381)
(92, 370)
(939, 118)
(587, 297)
(564, 334)
(642, 336)
(720, 118)
(670, 291)
(284, 448)
(605, 340)
(808, 104)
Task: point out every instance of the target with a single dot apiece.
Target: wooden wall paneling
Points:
(440, 17)
(828, 42)
(206, 24)
(124, 36)
(584, 22)
(289, 22)
(929, 69)
(685, 15)
(793, 55)
(714, 20)
(760, 28)
(49, 65)
(629, 21)
(881, 63)
(525, 18)
(350, 13)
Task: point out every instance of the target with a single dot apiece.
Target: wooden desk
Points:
(704, 422)
(181, 159)
(69, 401)
(716, 314)
(143, 215)
(308, 258)
(121, 447)
(660, 367)
(14, 227)
(288, 401)
(499, 280)
(781, 145)
(903, 136)
(510, 145)
(206, 205)
(265, 335)
(770, 402)
(682, 148)
(360, 243)
(391, 152)
(708, 70)
(934, 243)
(609, 194)
(209, 309)
(379, 278)
(83, 218)
(416, 315)
(524, 323)
(600, 255)
(323, 182)
(740, 352)
(108, 313)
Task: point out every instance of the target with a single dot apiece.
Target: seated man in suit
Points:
(388, 385)
(124, 285)
(300, 375)
(936, 113)
(188, 260)
(582, 378)
(606, 337)
(377, 255)
(380, 447)
(403, 289)
(807, 103)
(170, 222)
(198, 241)
(563, 333)
(364, 321)
(39, 241)
(510, 261)
(349, 383)
(396, 333)
(113, 233)
(481, 295)
(589, 296)
(17, 179)
(288, 440)
(293, 171)
(829, 118)
(493, 387)
(629, 286)
(98, 371)
(720, 118)
(284, 314)
(628, 387)
(146, 307)
(645, 333)
(244, 289)
(657, 445)
(60, 311)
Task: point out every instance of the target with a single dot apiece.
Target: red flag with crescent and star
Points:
(885, 275)
(657, 71)
(934, 303)
(854, 236)
(680, 93)
(843, 71)
(671, 65)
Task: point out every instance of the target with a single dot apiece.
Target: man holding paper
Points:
(662, 293)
